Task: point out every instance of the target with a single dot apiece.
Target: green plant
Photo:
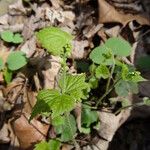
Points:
(15, 61)
(10, 37)
(62, 100)
(51, 145)
(107, 65)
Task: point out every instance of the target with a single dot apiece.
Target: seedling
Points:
(15, 61)
(10, 37)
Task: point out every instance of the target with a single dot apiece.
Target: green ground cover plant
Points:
(14, 62)
(106, 66)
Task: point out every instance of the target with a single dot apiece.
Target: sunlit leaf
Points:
(101, 55)
(119, 46)
(54, 39)
(16, 60)
(51, 145)
(102, 72)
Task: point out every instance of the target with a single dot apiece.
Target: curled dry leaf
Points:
(29, 133)
(108, 14)
(109, 125)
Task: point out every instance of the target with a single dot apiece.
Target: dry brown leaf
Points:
(108, 14)
(17, 8)
(29, 47)
(79, 48)
(4, 19)
(91, 31)
(4, 53)
(29, 134)
(77, 112)
(66, 147)
(109, 125)
(4, 134)
(51, 73)
(113, 32)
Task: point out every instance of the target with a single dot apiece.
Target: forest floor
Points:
(91, 22)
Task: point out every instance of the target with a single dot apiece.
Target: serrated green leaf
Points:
(123, 88)
(102, 72)
(63, 103)
(17, 38)
(51, 145)
(1, 64)
(16, 60)
(59, 120)
(43, 145)
(101, 55)
(53, 39)
(88, 117)
(54, 145)
(40, 107)
(53, 100)
(119, 46)
(73, 85)
(7, 36)
(68, 129)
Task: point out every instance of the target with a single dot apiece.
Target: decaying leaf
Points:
(108, 14)
(29, 133)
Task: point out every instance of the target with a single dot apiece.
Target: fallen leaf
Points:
(4, 134)
(108, 14)
(29, 133)
(79, 48)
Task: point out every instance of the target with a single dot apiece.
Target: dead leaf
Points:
(79, 48)
(17, 8)
(51, 73)
(4, 19)
(108, 14)
(4, 134)
(91, 31)
(113, 32)
(29, 47)
(29, 134)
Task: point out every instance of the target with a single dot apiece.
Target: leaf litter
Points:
(91, 23)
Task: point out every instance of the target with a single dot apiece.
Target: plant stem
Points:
(106, 93)
(133, 105)
(111, 73)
